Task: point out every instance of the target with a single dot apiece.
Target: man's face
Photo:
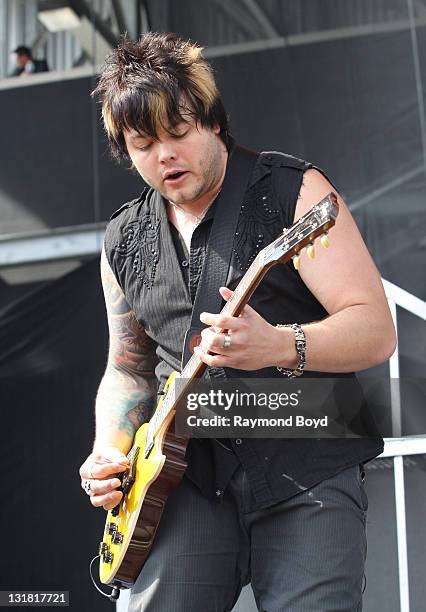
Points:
(21, 60)
(183, 166)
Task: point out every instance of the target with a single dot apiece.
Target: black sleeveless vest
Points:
(141, 252)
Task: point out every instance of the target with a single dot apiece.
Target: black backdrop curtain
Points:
(53, 346)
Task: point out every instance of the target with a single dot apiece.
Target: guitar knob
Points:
(103, 548)
(310, 249)
(108, 557)
(325, 241)
(116, 510)
(117, 537)
(296, 261)
(111, 528)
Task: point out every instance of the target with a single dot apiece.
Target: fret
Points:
(190, 367)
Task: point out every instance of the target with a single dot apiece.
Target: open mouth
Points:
(174, 178)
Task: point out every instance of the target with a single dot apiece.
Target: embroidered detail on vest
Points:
(258, 218)
(140, 241)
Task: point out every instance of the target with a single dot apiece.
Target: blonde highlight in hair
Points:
(154, 84)
(108, 121)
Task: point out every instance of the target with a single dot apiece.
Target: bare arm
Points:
(359, 332)
(125, 398)
(126, 394)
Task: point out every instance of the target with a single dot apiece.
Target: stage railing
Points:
(399, 446)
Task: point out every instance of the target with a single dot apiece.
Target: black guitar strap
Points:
(219, 249)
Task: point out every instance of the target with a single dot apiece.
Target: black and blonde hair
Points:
(156, 83)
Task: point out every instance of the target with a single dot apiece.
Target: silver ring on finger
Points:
(226, 341)
(87, 487)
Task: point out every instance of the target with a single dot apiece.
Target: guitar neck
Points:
(195, 367)
(233, 308)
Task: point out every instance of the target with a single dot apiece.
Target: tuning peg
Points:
(296, 261)
(325, 241)
(310, 249)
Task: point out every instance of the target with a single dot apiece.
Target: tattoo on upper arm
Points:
(128, 390)
(130, 347)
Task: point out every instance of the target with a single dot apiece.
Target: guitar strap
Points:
(219, 248)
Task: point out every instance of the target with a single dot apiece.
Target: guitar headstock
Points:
(314, 224)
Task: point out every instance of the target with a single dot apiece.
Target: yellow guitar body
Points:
(122, 521)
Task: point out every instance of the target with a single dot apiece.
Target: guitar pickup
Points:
(148, 449)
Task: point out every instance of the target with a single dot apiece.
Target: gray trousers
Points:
(305, 554)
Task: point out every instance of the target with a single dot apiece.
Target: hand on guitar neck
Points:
(252, 343)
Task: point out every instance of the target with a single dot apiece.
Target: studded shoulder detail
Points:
(259, 216)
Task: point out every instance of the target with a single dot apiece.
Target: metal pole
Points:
(394, 380)
(401, 532)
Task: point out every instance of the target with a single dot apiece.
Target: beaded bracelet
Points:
(300, 344)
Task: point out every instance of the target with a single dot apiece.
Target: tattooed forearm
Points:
(123, 403)
(127, 392)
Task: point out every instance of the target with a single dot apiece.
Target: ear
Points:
(216, 128)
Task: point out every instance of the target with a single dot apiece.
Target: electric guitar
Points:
(157, 458)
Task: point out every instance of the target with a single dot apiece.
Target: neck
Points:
(189, 217)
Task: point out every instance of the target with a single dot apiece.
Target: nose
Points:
(166, 151)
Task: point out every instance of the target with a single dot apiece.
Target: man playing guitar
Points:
(287, 515)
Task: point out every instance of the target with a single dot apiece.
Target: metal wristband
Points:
(300, 344)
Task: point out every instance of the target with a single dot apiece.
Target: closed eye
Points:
(144, 147)
(179, 135)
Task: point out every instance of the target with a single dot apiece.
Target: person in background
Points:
(26, 64)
